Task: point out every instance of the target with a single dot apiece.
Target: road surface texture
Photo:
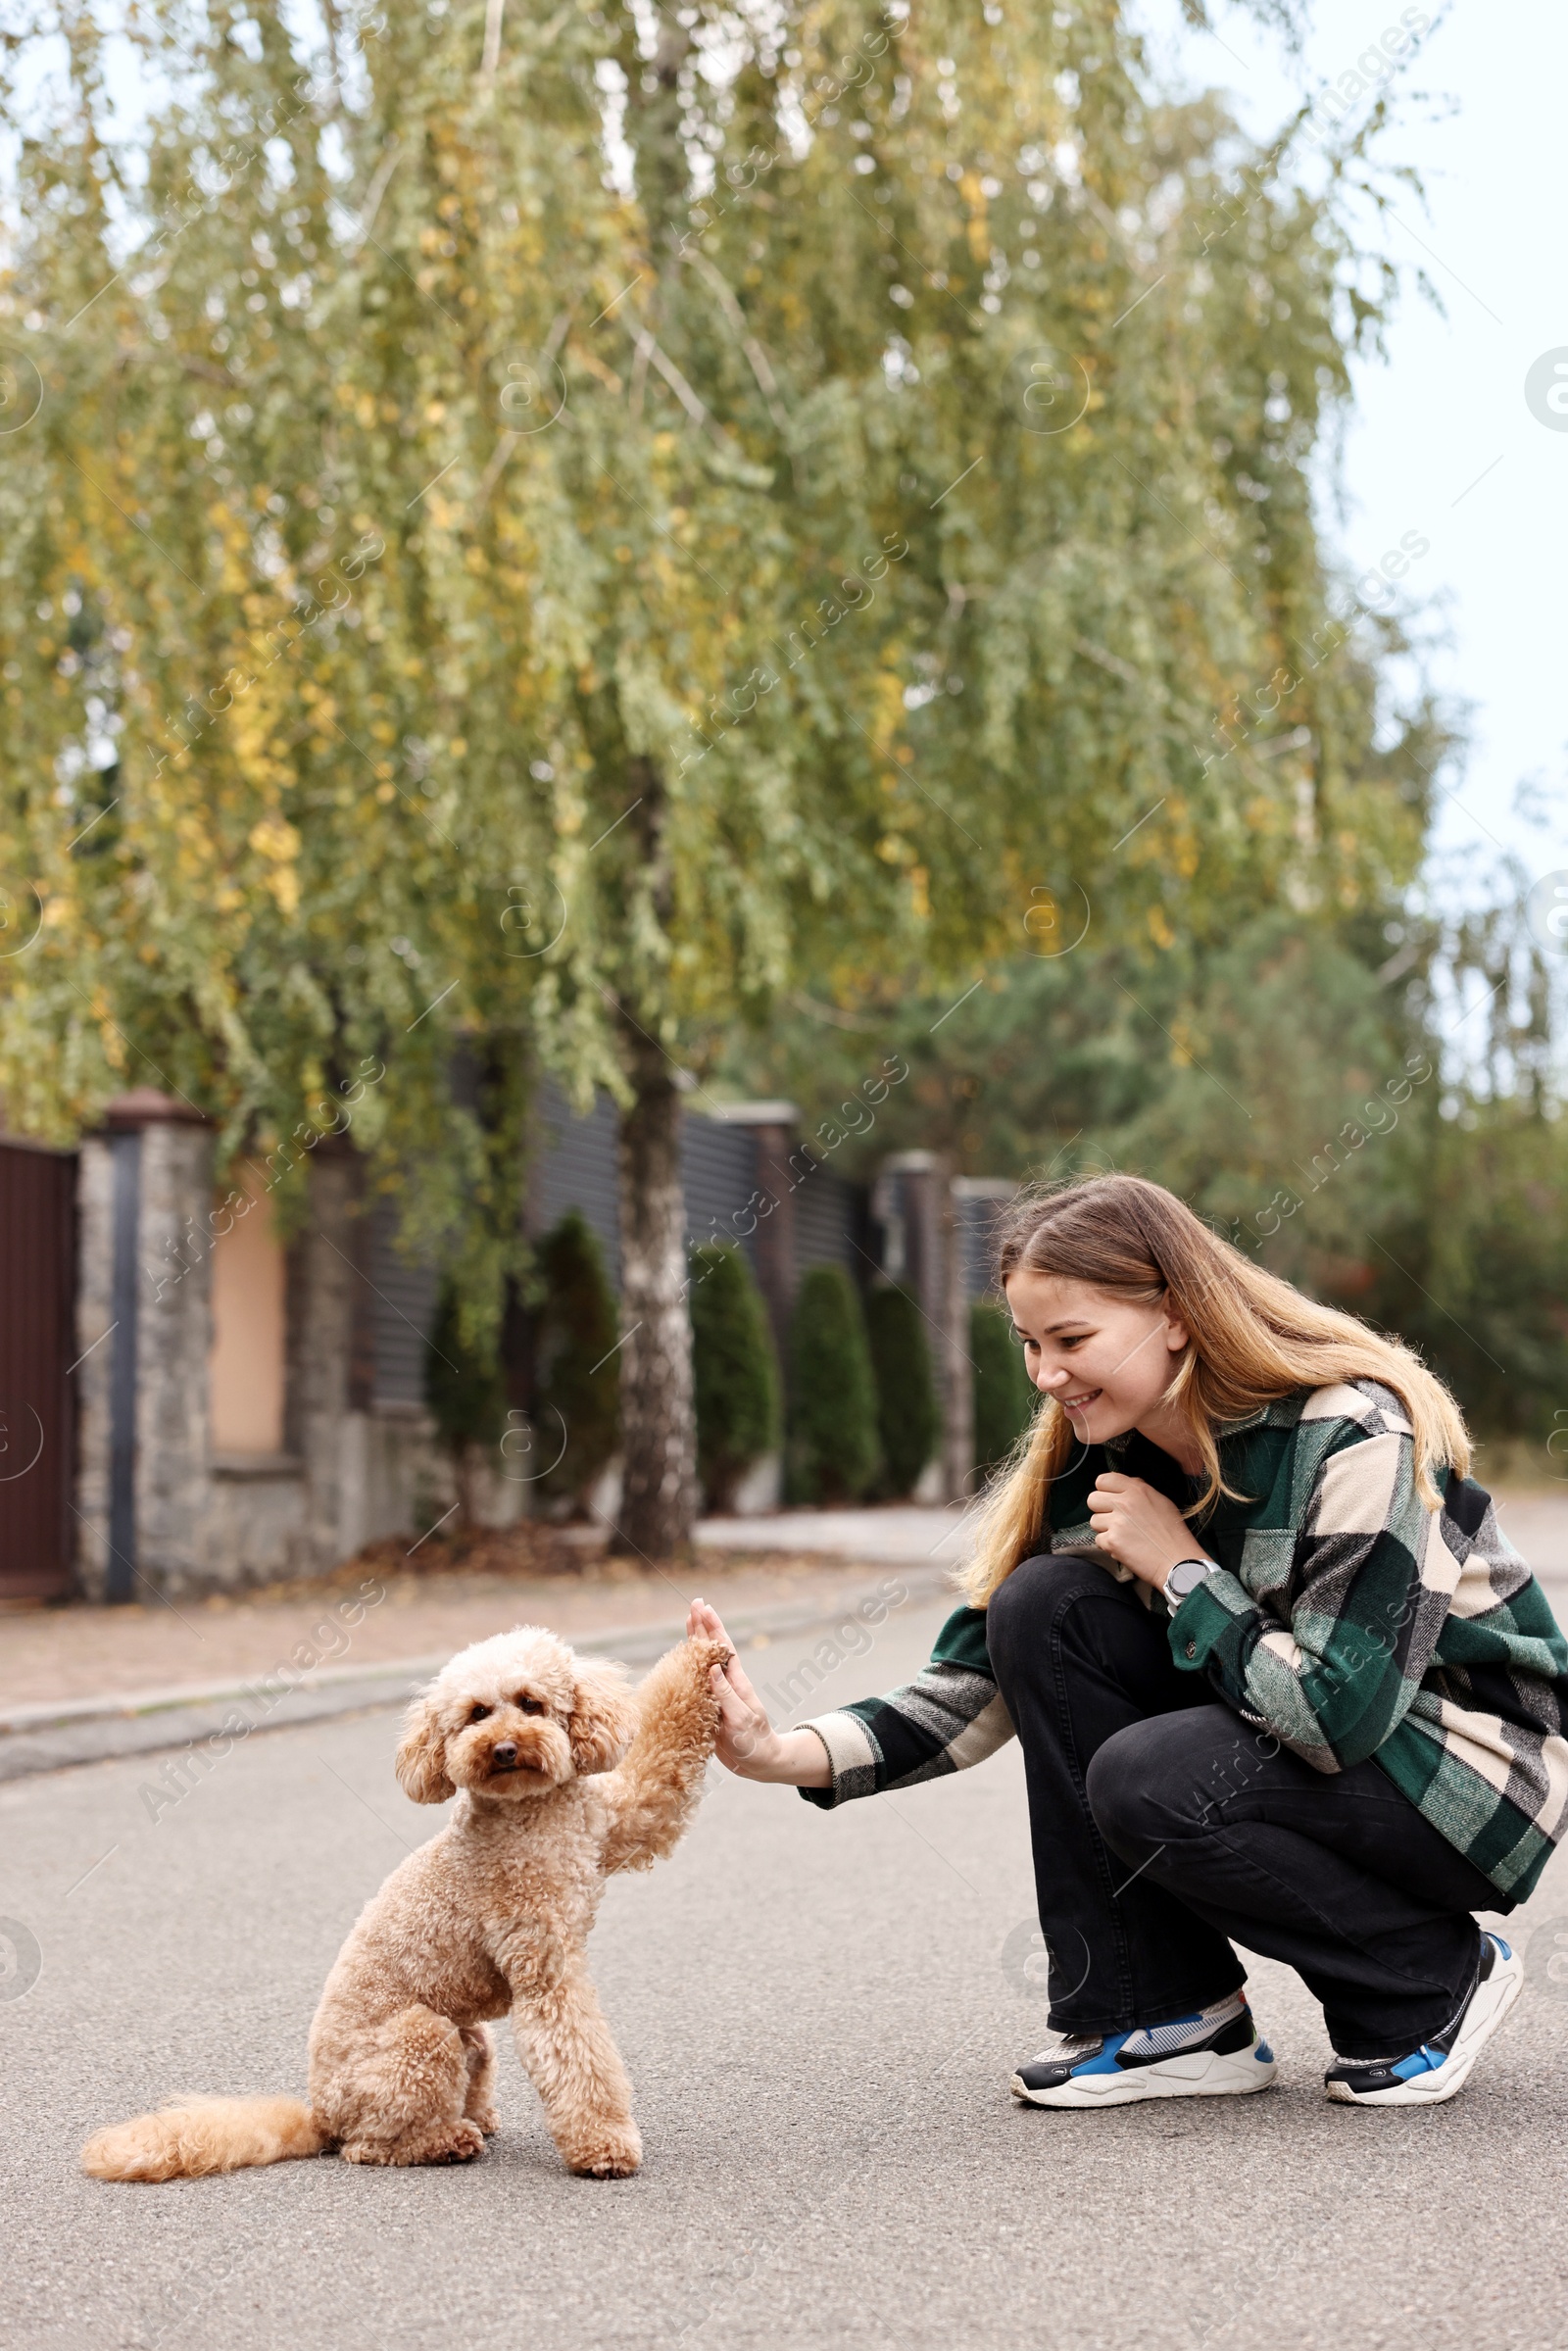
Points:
(819, 2013)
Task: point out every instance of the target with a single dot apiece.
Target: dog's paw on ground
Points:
(461, 2144)
(610, 2155)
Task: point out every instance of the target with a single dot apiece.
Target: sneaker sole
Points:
(1202, 2075)
(1486, 2012)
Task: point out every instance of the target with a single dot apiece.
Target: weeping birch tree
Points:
(541, 529)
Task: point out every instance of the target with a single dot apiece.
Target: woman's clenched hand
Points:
(1141, 1529)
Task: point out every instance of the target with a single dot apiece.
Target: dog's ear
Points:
(421, 1758)
(603, 1717)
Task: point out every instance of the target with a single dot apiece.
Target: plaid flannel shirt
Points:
(1347, 1618)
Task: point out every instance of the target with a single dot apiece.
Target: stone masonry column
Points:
(774, 1128)
(328, 1284)
(930, 1266)
(144, 1338)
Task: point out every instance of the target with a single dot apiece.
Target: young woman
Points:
(1275, 1672)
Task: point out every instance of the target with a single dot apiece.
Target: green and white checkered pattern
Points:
(1347, 1619)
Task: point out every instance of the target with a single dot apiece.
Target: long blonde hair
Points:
(1252, 1338)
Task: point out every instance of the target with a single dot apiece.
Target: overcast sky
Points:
(1442, 441)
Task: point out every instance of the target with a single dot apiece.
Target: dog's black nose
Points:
(505, 1753)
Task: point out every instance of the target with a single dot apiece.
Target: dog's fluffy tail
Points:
(200, 2135)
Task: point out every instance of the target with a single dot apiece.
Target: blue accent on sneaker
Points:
(1440, 2066)
(1105, 2059)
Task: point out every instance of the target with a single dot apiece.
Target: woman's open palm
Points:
(744, 1729)
(748, 1743)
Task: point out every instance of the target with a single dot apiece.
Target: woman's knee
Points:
(1127, 1784)
(1033, 1594)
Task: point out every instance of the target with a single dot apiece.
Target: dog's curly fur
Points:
(564, 1774)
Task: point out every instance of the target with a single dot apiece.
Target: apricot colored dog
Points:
(564, 1774)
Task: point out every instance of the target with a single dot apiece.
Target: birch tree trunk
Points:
(659, 1435)
(658, 1417)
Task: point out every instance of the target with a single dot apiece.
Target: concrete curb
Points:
(57, 1737)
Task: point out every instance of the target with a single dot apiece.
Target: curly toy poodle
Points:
(562, 1773)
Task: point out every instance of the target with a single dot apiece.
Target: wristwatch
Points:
(1184, 1577)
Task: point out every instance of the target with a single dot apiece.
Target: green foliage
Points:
(466, 595)
(831, 1456)
(909, 1417)
(734, 1368)
(459, 597)
(1473, 1267)
(576, 1388)
(463, 1387)
(1005, 1398)
(1296, 1082)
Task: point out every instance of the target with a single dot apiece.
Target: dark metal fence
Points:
(37, 1324)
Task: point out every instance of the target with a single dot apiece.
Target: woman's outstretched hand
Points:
(1140, 1527)
(748, 1743)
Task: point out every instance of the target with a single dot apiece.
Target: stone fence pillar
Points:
(144, 1333)
(914, 1202)
(775, 1129)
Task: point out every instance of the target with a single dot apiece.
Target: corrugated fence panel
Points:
(718, 1175)
(575, 1168)
(405, 1304)
(829, 1214)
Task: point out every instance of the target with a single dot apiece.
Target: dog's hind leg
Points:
(398, 2092)
(567, 2053)
(480, 2051)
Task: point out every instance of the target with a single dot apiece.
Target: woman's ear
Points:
(603, 1718)
(1177, 1336)
(421, 1758)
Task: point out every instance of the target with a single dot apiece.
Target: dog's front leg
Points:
(650, 1798)
(571, 2061)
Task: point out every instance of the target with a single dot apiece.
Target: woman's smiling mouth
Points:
(1081, 1404)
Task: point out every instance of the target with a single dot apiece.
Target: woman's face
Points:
(1105, 1360)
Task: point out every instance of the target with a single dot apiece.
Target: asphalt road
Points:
(819, 2013)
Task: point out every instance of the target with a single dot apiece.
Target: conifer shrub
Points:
(1005, 1396)
(909, 1417)
(734, 1371)
(464, 1389)
(832, 1455)
(576, 1412)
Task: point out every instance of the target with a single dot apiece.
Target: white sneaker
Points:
(1440, 2066)
(1197, 2056)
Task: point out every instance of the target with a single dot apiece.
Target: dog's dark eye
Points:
(527, 1705)
(477, 1714)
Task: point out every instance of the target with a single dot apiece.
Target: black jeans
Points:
(1163, 1824)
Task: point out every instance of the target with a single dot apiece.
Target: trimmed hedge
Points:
(908, 1415)
(576, 1369)
(734, 1370)
(833, 1454)
(465, 1390)
(464, 1385)
(1005, 1396)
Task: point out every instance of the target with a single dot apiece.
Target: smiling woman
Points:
(1275, 1674)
